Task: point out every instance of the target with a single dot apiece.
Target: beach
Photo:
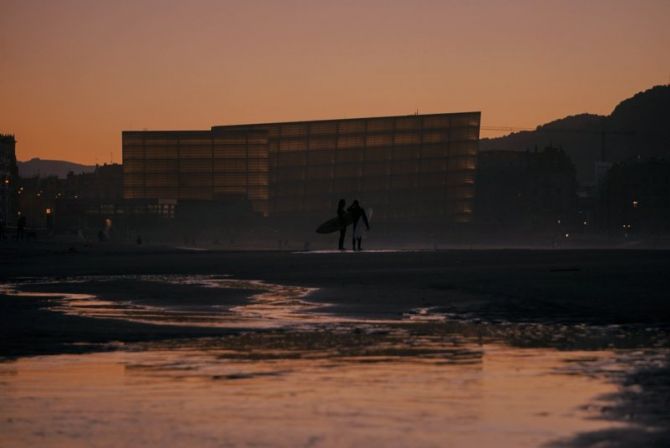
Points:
(590, 324)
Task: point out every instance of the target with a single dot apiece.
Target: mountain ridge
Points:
(637, 127)
(47, 167)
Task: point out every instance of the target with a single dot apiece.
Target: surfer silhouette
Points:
(357, 212)
(340, 215)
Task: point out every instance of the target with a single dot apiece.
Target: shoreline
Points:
(558, 300)
(597, 288)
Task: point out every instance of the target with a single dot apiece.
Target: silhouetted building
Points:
(8, 177)
(197, 165)
(635, 198)
(406, 167)
(519, 192)
(78, 201)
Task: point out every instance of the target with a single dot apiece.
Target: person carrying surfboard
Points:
(341, 212)
(357, 212)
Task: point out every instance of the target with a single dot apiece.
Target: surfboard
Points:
(335, 224)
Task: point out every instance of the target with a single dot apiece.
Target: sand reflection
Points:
(267, 305)
(290, 374)
(216, 392)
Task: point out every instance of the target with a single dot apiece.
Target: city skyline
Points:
(76, 74)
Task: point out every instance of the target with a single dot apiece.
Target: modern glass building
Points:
(197, 165)
(405, 167)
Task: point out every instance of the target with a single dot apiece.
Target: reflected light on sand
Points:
(201, 396)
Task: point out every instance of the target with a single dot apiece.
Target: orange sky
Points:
(75, 73)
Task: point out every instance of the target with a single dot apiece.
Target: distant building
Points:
(197, 166)
(635, 198)
(406, 167)
(530, 191)
(8, 177)
(78, 201)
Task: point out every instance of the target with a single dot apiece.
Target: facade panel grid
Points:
(196, 165)
(403, 166)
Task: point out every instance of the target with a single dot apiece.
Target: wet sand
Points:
(208, 396)
(595, 286)
(334, 306)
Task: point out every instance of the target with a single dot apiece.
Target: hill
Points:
(637, 127)
(45, 168)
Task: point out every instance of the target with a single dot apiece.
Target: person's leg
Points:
(354, 236)
(341, 243)
(359, 242)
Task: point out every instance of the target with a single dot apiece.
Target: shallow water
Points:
(298, 376)
(211, 395)
(269, 305)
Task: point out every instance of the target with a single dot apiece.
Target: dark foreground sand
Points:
(559, 289)
(592, 287)
(595, 286)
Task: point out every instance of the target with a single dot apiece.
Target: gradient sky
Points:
(75, 73)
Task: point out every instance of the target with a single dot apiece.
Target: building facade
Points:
(406, 167)
(8, 177)
(527, 192)
(196, 165)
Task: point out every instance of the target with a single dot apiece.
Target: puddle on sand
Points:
(217, 392)
(268, 305)
(273, 306)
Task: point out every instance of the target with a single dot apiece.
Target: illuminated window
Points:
(407, 139)
(350, 141)
(435, 137)
(292, 145)
(379, 140)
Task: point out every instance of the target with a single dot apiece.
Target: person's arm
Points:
(365, 219)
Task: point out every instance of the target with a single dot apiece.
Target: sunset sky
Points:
(74, 74)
